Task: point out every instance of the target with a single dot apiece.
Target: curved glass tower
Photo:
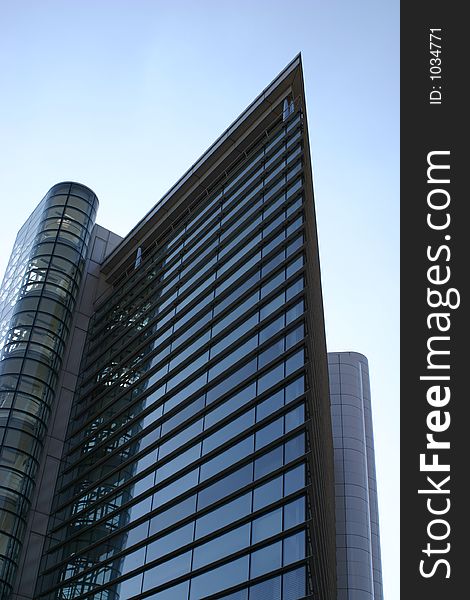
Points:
(38, 299)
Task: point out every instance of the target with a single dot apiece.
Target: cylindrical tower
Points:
(52, 247)
(357, 524)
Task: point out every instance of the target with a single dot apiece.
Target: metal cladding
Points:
(49, 254)
(357, 523)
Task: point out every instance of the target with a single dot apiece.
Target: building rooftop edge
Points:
(348, 353)
(218, 146)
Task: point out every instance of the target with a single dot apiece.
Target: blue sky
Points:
(124, 95)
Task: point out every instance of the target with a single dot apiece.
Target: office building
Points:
(164, 403)
(359, 568)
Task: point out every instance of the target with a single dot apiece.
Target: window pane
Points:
(295, 417)
(171, 569)
(177, 591)
(267, 590)
(270, 405)
(267, 493)
(224, 545)
(267, 525)
(294, 513)
(219, 579)
(174, 540)
(227, 458)
(293, 584)
(271, 432)
(294, 548)
(230, 405)
(268, 462)
(173, 515)
(265, 560)
(224, 515)
(225, 486)
(294, 479)
(294, 448)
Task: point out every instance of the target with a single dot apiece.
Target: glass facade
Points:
(38, 299)
(186, 473)
(170, 399)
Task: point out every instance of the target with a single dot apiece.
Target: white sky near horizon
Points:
(124, 96)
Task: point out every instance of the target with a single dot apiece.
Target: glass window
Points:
(294, 479)
(275, 241)
(266, 559)
(174, 540)
(271, 353)
(188, 371)
(228, 513)
(269, 433)
(240, 595)
(267, 525)
(241, 308)
(295, 389)
(171, 569)
(295, 288)
(224, 545)
(295, 417)
(271, 378)
(268, 462)
(273, 305)
(295, 361)
(294, 513)
(233, 357)
(294, 584)
(273, 283)
(271, 329)
(227, 458)
(184, 414)
(176, 488)
(294, 336)
(274, 262)
(294, 448)
(177, 440)
(230, 430)
(230, 405)
(177, 591)
(219, 579)
(231, 381)
(173, 515)
(294, 548)
(185, 392)
(177, 463)
(130, 587)
(266, 590)
(225, 486)
(294, 245)
(270, 405)
(136, 534)
(294, 266)
(235, 334)
(134, 560)
(294, 312)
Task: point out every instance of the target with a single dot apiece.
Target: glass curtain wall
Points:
(186, 473)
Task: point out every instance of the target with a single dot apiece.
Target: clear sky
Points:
(124, 95)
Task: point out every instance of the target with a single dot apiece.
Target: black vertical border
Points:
(426, 128)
